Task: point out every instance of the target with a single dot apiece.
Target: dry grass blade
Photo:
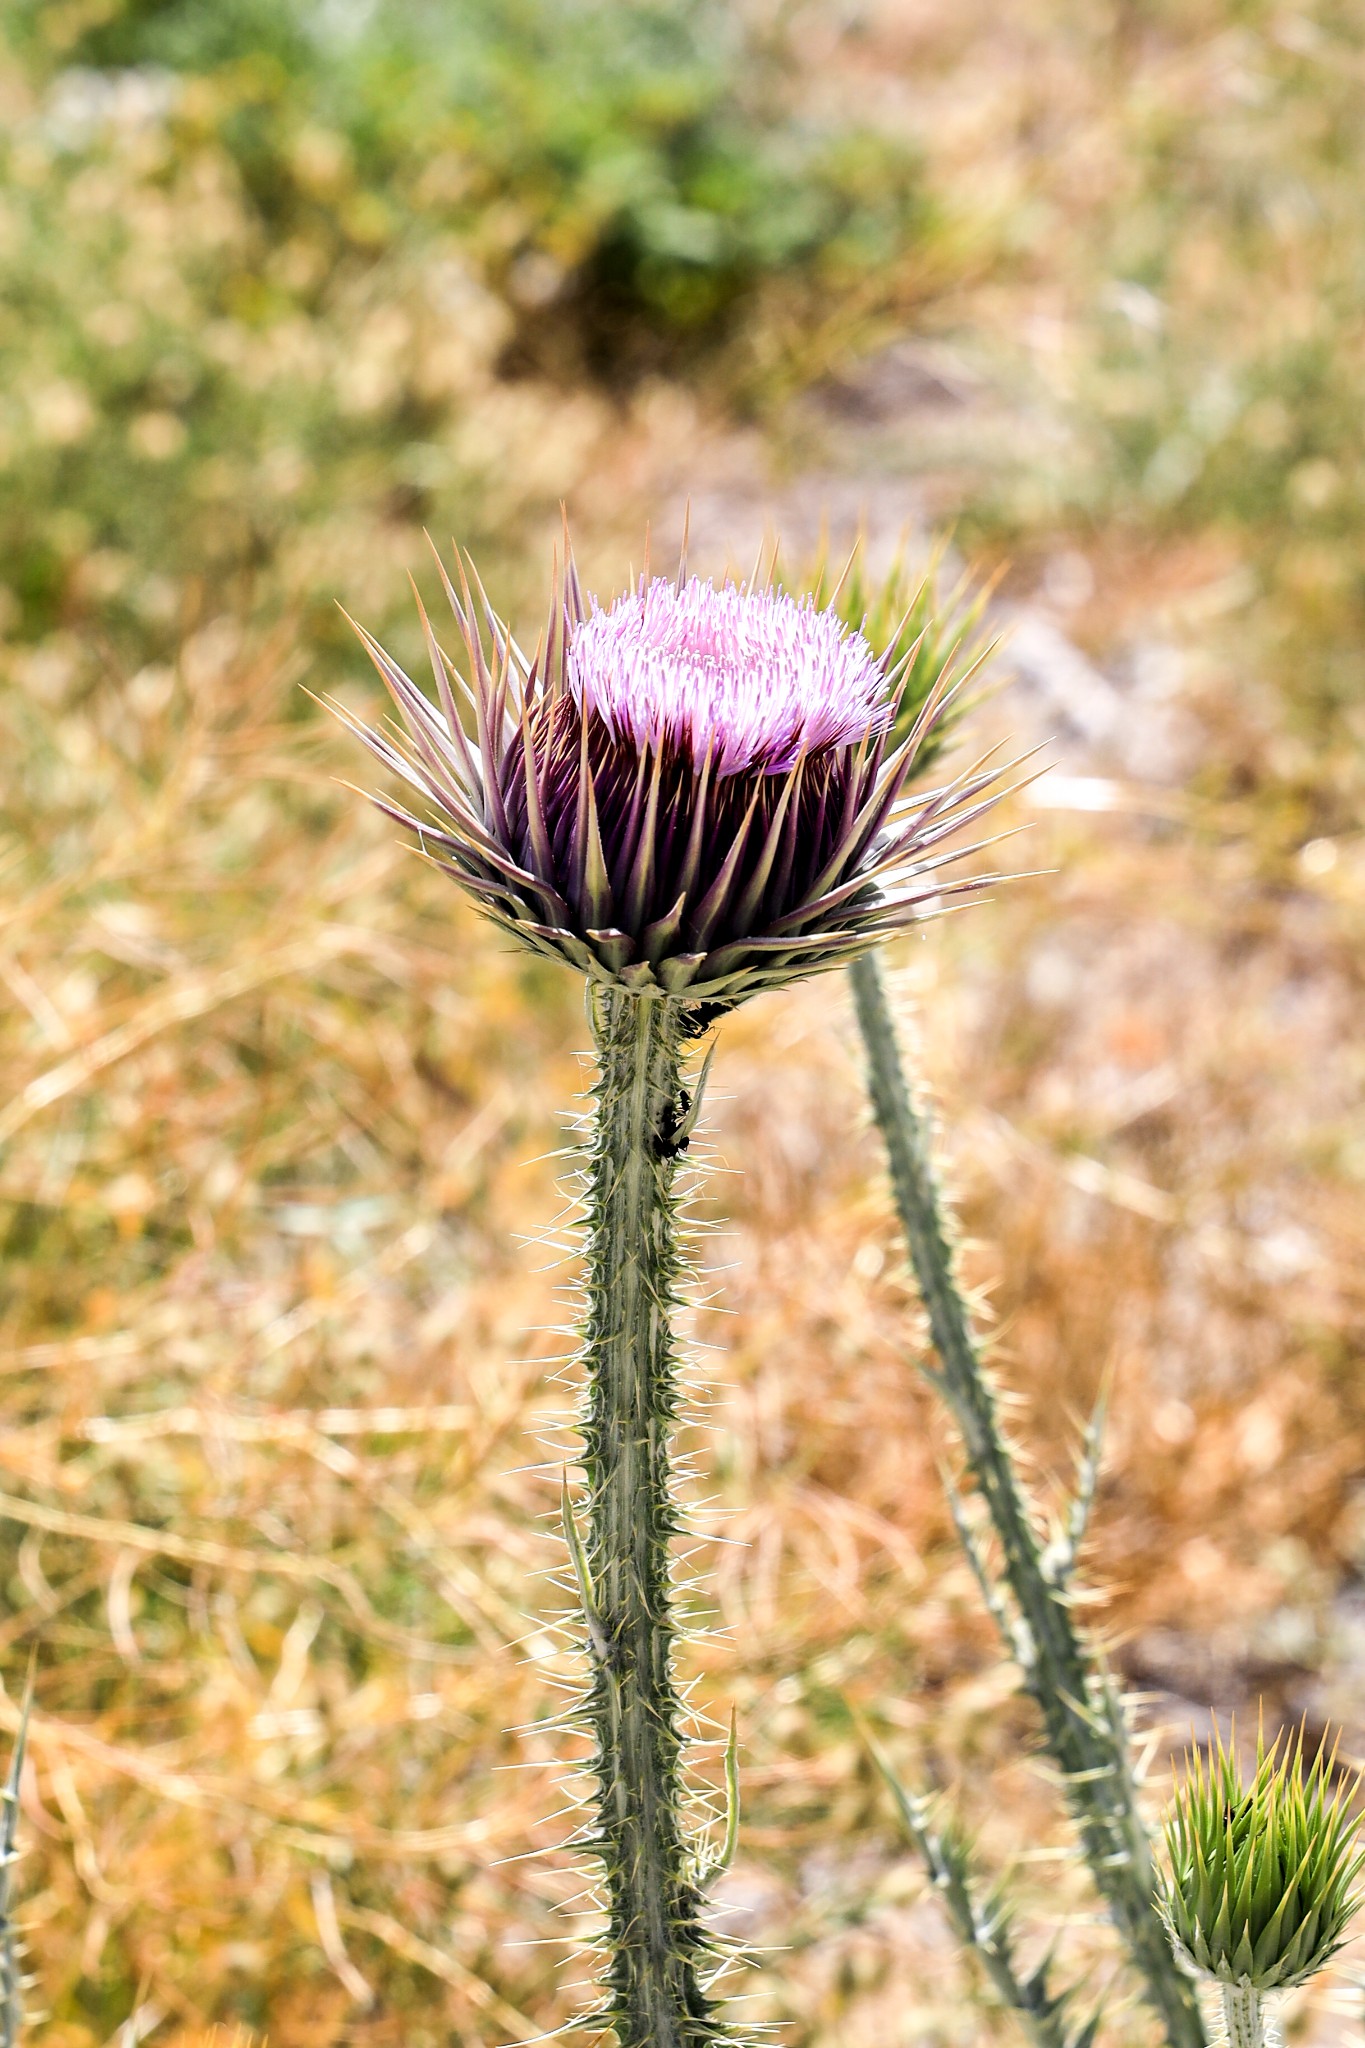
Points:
(185, 1004)
(475, 1989)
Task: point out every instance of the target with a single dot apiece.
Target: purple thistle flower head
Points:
(750, 678)
(689, 793)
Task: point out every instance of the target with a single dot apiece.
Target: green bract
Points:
(1259, 1889)
(930, 637)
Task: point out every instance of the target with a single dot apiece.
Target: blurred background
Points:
(286, 1256)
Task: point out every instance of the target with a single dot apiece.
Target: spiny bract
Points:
(1259, 1889)
(689, 793)
(928, 632)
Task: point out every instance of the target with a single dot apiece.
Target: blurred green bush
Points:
(1213, 381)
(265, 262)
(639, 166)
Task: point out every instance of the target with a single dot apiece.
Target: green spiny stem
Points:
(985, 1927)
(656, 1943)
(1245, 2019)
(1083, 1720)
(11, 1972)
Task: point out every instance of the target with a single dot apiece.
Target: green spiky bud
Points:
(923, 631)
(1259, 1890)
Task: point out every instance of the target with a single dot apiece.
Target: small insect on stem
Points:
(675, 1137)
(679, 1118)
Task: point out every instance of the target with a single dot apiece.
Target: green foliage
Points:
(203, 405)
(1219, 382)
(1216, 400)
(1259, 1888)
(660, 176)
(630, 174)
(265, 268)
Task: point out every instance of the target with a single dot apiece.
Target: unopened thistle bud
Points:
(692, 792)
(1259, 1890)
(924, 631)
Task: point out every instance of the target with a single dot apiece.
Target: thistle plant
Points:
(1029, 1580)
(692, 795)
(1258, 1890)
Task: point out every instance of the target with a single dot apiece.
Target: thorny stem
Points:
(11, 1973)
(984, 1927)
(1082, 1717)
(1245, 2019)
(656, 1943)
